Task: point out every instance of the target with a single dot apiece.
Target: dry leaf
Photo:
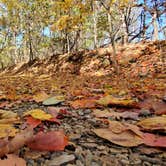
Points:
(83, 103)
(114, 101)
(40, 97)
(117, 115)
(7, 130)
(50, 141)
(121, 134)
(12, 160)
(38, 114)
(17, 142)
(154, 140)
(154, 123)
(32, 121)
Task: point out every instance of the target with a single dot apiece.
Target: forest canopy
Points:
(32, 29)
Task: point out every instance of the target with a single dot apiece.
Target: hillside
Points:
(139, 59)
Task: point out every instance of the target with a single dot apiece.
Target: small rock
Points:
(81, 113)
(30, 162)
(125, 162)
(101, 147)
(79, 163)
(164, 98)
(145, 163)
(74, 136)
(87, 111)
(137, 162)
(63, 159)
(145, 112)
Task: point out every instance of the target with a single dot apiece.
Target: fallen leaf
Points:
(38, 114)
(154, 140)
(117, 115)
(54, 120)
(50, 141)
(114, 101)
(154, 123)
(121, 134)
(7, 130)
(83, 103)
(12, 160)
(126, 138)
(40, 97)
(17, 142)
(159, 108)
(58, 112)
(32, 121)
(34, 154)
(7, 114)
(53, 100)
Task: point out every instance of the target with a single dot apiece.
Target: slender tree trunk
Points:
(124, 29)
(95, 24)
(31, 55)
(155, 26)
(68, 43)
(112, 37)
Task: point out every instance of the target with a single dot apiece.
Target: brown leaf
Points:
(121, 134)
(17, 142)
(159, 108)
(83, 103)
(117, 115)
(12, 160)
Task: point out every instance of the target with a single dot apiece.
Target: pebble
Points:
(125, 162)
(122, 156)
(63, 159)
(79, 163)
(164, 98)
(87, 111)
(81, 113)
(145, 112)
(145, 163)
(30, 162)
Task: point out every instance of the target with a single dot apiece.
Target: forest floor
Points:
(74, 110)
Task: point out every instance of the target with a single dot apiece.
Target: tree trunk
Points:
(155, 26)
(112, 37)
(95, 24)
(31, 55)
(124, 29)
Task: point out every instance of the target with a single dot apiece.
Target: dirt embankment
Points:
(139, 59)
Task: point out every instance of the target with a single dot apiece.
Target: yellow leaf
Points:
(7, 117)
(38, 114)
(7, 114)
(110, 100)
(7, 130)
(154, 123)
(39, 97)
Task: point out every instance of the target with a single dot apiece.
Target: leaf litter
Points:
(80, 121)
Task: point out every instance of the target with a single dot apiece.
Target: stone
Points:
(63, 159)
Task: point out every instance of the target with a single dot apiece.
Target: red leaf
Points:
(154, 140)
(58, 112)
(50, 141)
(32, 121)
(55, 120)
